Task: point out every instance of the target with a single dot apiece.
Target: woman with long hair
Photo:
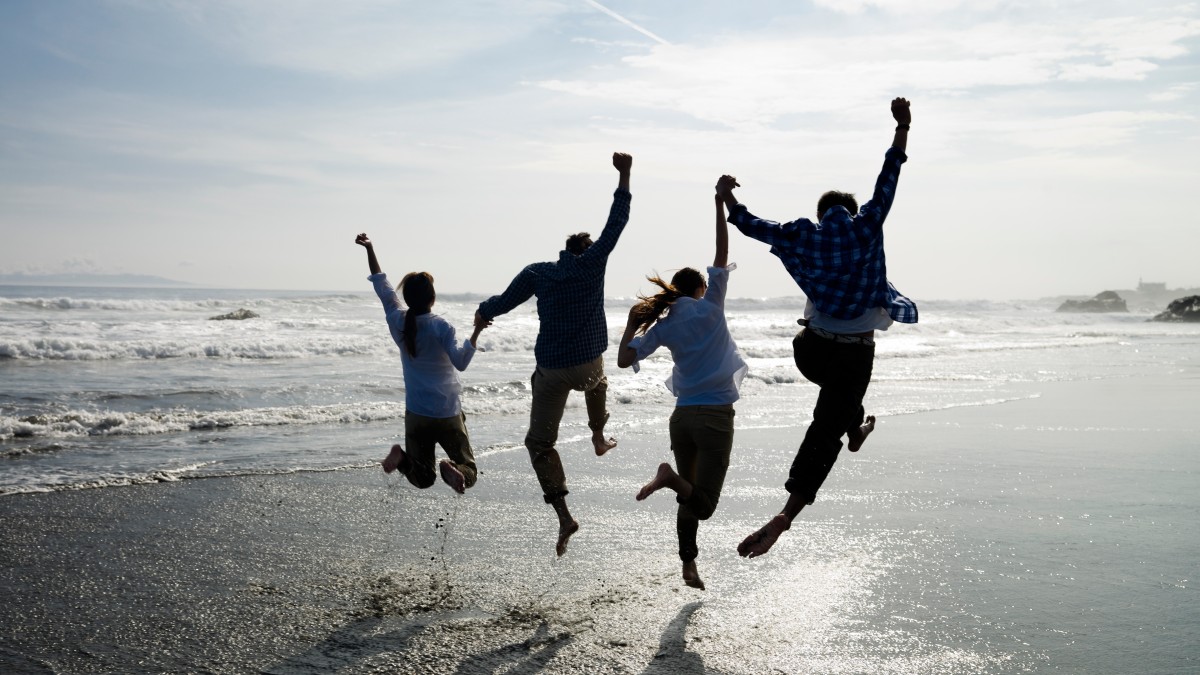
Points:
(431, 358)
(705, 380)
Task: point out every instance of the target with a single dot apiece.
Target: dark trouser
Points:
(422, 433)
(701, 438)
(843, 372)
(551, 386)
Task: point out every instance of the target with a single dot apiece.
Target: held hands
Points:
(725, 185)
(622, 162)
(480, 322)
(362, 240)
(900, 111)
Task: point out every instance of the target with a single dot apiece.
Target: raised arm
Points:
(725, 185)
(879, 205)
(721, 259)
(903, 116)
(622, 162)
(372, 261)
(618, 215)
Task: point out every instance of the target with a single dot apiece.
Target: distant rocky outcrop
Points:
(1183, 309)
(237, 315)
(1107, 301)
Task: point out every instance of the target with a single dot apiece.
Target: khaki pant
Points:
(422, 434)
(701, 438)
(550, 389)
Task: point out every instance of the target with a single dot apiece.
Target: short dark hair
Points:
(834, 198)
(578, 243)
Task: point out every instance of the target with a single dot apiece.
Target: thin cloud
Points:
(627, 22)
(767, 79)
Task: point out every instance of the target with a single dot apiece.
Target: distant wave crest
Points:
(67, 349)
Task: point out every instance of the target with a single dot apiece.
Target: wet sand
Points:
(984, 539)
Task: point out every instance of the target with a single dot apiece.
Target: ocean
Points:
(1036, 508)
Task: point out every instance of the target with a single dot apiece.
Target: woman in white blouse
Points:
(705, 380)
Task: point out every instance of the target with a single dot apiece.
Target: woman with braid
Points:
(705, 380)
(430, 355)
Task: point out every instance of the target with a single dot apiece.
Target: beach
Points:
(1053, 533)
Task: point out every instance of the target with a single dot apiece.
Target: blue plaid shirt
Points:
(839, 262)
(570, 297)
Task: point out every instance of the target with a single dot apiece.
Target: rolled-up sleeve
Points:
(718, 283)
(643, 346)
(460, 355)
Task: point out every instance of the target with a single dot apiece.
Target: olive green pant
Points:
(701, 438)
(551, 386)
(422, 434)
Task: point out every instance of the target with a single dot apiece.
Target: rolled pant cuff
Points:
(555, 496)
(599, 427)
(688, 554)
(793, 487)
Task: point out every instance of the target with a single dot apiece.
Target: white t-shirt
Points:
(708, 369)
(875, 318)
(431, 384)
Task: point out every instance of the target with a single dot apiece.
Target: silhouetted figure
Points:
(705, 380)
(839, 264)
(572, 336)
(431, 357)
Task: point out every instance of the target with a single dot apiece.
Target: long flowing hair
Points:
(417, 289)
(651, 307)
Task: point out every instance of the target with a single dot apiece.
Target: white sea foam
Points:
(84, 423)
(107, 387)
(68, 349)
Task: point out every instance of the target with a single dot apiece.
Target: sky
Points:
(244, 144)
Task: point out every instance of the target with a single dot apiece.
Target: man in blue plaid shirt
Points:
(573, 334)
(839, 264)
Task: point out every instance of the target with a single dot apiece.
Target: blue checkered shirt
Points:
(570, 297)
(839, 262)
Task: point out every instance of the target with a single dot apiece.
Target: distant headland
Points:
(87, 279)
(1148, 296)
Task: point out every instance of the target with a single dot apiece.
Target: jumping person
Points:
(572, 336)
(839, 264)
(705, 380)
(429, 354)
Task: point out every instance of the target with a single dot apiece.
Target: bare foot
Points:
(661, 480)
(857, 436)
(565, 530)
(761, 541)
(452, 476)
(396, 459)
(601, 443)
(691, 576)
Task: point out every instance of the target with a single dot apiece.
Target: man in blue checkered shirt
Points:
(572, 336)
(839, 264)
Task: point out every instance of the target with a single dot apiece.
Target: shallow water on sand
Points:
(1027, 538)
